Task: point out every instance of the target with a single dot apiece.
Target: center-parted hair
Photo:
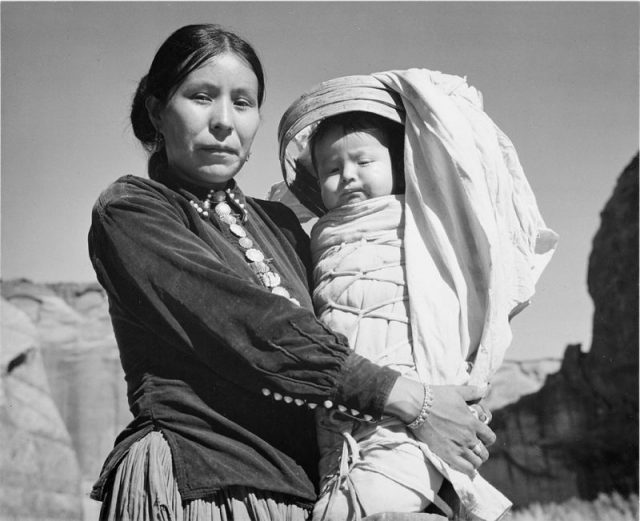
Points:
(184, 51)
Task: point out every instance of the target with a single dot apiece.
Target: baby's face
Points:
(353, 167)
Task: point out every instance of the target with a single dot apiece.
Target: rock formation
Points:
(565, 429)
(517, 378)
(40, 476)
(578, 435)
(75, 343)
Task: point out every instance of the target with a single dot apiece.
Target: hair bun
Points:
(143, 127)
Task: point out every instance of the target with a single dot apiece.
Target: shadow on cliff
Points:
(578, 434)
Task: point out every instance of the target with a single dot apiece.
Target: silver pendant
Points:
(279, 290)
(270, 279)
(245, 242)
(223, 209)
(228, 219)
(238, 230)
(259, 267)
(254, 255)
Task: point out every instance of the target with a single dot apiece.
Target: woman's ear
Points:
(154, 109)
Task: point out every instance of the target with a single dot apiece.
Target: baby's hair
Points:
(360, 121)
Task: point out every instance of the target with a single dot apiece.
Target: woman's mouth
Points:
(219, 150)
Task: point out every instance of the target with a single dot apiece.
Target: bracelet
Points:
(425, 410)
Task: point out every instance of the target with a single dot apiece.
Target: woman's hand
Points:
(481, 412)
(452, 431)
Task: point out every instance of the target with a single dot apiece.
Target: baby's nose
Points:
(349, 172)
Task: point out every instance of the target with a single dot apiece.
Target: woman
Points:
(223, 357)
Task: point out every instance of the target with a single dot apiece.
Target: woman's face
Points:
(209, 122)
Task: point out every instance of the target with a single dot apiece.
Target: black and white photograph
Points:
(319, 260)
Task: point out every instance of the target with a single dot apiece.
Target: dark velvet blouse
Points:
(205, 346)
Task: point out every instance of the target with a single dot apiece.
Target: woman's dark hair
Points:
(359, 121)
(183, 52)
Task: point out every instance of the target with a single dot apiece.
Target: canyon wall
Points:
(565, 428)
(578, 434)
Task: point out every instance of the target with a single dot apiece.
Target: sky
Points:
(559, 78)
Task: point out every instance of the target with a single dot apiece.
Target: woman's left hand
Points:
(451, 430)
(481, 412)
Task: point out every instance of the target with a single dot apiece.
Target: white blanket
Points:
(360, 291)
(475, 241)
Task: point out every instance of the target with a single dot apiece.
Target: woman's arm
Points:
(451, 429)
(181, 291)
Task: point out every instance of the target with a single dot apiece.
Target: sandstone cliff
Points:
(72, 342)
(565, 429)
(578, 435)
(40, 476)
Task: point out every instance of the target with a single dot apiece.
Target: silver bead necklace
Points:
(268, 277)
(217, 199)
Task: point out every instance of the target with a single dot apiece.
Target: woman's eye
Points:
(201, 96)
(244, 103)
(364, 162)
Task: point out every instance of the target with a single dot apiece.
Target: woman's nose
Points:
(221, 117)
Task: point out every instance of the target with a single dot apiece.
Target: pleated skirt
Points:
(144, 489)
